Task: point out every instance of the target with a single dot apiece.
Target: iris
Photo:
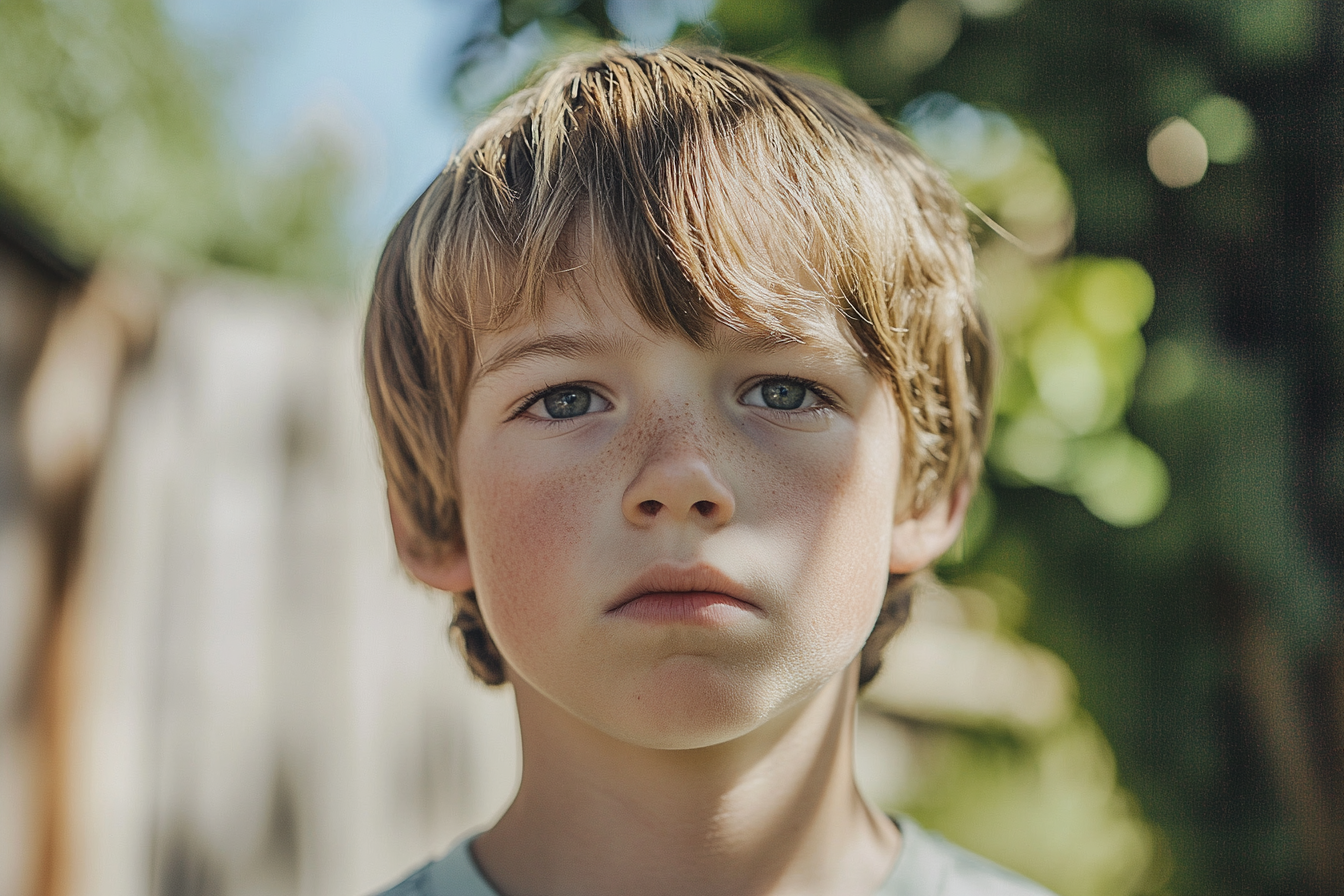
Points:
(570, 402)
(783, 395)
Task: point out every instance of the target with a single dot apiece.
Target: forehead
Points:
(770, 294)
(589, 311)
(600, 282)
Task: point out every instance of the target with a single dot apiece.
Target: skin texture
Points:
(671, 744)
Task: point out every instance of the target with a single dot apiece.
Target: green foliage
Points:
(109, 139)
(1047, 808)
(777, 32)
(758, 27)
(1068, 379)
(1069, 330)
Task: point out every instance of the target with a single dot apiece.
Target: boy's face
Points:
(676, 544)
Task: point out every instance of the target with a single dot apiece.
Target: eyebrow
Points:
(586, 345)
(557, 345)
(732, 342)
(839, 351)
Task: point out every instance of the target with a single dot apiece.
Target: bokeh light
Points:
(1178, 155)
(920, 32)
(1227, 126)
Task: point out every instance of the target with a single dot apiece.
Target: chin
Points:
(691, 703)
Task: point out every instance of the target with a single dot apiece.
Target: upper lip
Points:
(666, 577)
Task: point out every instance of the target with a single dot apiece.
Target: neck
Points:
(773, 812)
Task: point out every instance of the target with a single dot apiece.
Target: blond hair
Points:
(677, 159)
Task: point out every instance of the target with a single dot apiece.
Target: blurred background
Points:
(214, 678)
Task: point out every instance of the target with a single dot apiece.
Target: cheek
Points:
(529, 530)
(839, 517)
(838, 490)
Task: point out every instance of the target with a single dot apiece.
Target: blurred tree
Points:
(108, 139)
(1200, 609)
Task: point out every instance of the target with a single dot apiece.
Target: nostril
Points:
(705, 508)
(650, 508)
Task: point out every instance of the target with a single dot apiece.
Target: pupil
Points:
(567, 403)
(783, 395)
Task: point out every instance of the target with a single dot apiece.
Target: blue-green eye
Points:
(566, 402)
(781, 394)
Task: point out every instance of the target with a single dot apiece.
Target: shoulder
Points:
(931, 866)
(453, 875)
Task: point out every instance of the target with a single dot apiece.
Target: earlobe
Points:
(438, 565)
(920, 539)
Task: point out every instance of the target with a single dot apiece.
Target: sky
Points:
(370, 74)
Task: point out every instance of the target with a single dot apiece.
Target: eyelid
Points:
(825, 398)
(538, 394)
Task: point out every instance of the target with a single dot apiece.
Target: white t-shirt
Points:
(927, 866)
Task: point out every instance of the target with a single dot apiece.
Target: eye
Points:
(567, 403)
(564, 403)
(781, 394)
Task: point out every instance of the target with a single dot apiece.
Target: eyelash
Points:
(537, 395)
(825, 401)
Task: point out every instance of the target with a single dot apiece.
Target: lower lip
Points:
(685, 608)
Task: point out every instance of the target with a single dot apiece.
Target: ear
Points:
(920, 539)
(438, 565)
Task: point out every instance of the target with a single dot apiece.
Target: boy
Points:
(678, 378)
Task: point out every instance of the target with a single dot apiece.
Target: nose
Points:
(678, 483)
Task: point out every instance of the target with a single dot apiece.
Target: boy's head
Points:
(733, 220)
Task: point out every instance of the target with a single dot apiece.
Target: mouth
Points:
(696, 595)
